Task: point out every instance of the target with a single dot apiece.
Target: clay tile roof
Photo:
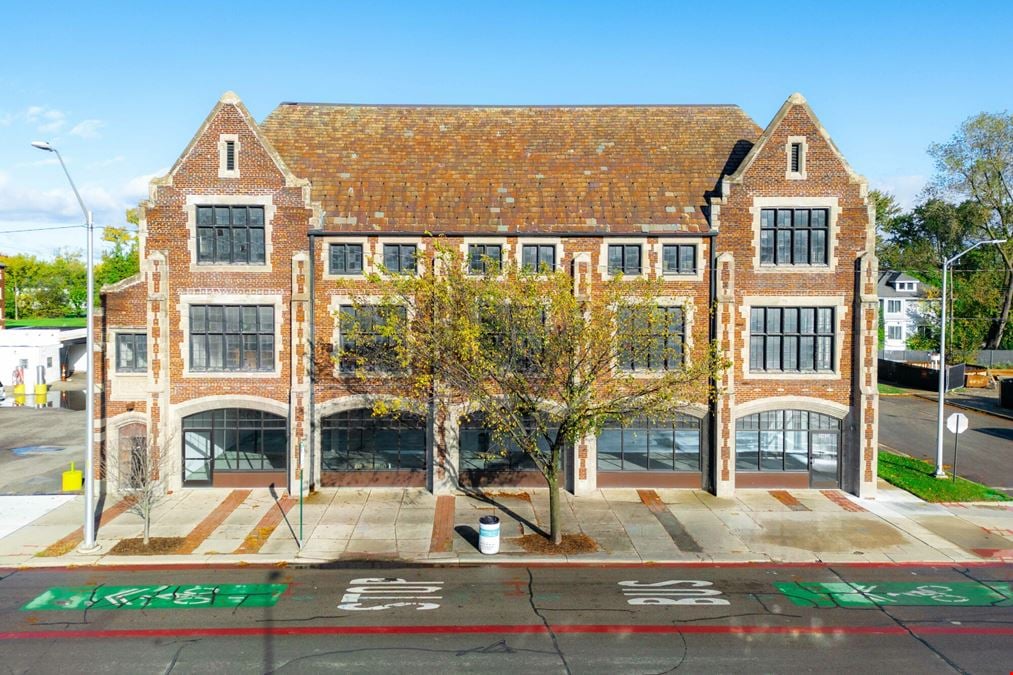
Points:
(407, 168)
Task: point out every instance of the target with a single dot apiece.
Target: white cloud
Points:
(47, 120)
(107, 162)
(6, 119)
(905, 189)
(87, 129)
(136, 188)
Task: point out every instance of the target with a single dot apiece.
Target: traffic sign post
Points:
(957, 424)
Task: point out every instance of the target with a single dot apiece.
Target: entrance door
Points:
(824, 469)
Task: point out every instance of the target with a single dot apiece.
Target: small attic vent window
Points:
(795, 149)
(796, 157)
(228, 149)
(230, 155)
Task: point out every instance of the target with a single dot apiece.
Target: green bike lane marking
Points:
(188, 596)
(898, 594)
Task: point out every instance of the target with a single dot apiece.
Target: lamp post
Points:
(942, 355)
(89, 401)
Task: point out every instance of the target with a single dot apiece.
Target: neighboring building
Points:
(903, 306)
(51, 353)
(220, 350)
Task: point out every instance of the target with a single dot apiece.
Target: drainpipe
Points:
(712, 427)
(312, 364)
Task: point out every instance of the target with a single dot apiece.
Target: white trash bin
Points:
(488, 535)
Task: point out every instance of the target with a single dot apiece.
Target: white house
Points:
(56, 351)
(904, 307)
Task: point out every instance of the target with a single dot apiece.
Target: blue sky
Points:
(120, 88)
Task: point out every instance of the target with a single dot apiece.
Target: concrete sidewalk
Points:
(628, 526)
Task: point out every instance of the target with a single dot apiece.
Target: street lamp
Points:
(942, 355)
(89, 401)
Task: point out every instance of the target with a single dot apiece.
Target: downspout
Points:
(712, 426)
(311, 374)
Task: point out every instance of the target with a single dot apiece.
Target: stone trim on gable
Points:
(832, 204)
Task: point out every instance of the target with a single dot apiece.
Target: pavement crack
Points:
(545, 622)
(175, 657)
(499, 647)
(306, 618)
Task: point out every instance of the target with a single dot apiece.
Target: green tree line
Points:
(42, 288)
(970, 199)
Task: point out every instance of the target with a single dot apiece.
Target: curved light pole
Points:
(942, 355)
(89, 400)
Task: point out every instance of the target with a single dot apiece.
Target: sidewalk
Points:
(629, 527)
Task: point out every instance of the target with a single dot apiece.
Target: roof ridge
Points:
(511, 105)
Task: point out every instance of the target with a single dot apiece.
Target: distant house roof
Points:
(617, 168)
(887, 285)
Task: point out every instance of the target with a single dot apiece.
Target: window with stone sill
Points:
(232, 235)
(237, 338)
(791, 339)
(132, 352)
(791, 237)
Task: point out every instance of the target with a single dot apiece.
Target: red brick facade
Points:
(576, 178)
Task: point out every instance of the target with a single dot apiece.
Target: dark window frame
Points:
(369, 334)
(471, 459)
(137, 361)
(628, 433)
(794, 237)
(480, 257)
(780, 426)
(543, 258)
(230, 155)
(350, 265)
(237, 424)
(359, 432)
(621, 262)
(682, 254)
(671, 339)
(795, 164)
(401, 258)
(779, 337)
(242, 230)
(229, 332)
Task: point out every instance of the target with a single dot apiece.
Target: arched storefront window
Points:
(640, 445)
(786, 440)
(357, 440)
(484, 450)
(232, 440)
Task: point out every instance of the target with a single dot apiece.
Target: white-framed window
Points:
(895, 332)
(893, 306)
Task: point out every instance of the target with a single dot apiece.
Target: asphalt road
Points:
(59, 430)
(984, 451)
(742, 618)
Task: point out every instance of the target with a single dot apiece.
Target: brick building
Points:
(217, 356)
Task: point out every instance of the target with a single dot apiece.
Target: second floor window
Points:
(345, 259)
(231, 338)
(483, 258)
(791, 339)
(893, 306)
(230, 234)
(793, 236)
(624, 259)
(678, 259)
(399, 257)
(362, 342)
(132, 352)
(650, 341)
(536, 257)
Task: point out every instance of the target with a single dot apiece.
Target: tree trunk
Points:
(147, 526)
(998, 328)
(554, 530)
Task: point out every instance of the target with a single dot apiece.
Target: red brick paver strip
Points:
(259, 535)
(212, 521)
(789, 500)
(74, 539)
(443, 525)
(842, 501)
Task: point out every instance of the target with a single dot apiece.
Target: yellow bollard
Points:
(40, 395)
(72, 480)
(19, 394)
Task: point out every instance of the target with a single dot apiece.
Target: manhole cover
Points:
(35, 449)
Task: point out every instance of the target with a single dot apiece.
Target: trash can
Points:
(1006, 393)
(488, 535)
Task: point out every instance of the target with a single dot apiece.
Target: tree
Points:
(145, 481)
(120, 261)
(977, 165)
(544, 365)
(21, 273)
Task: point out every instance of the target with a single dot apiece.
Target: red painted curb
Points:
(498, 630)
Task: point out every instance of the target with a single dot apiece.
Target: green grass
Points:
(890, 389)
(54, 322)
(917, 477)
